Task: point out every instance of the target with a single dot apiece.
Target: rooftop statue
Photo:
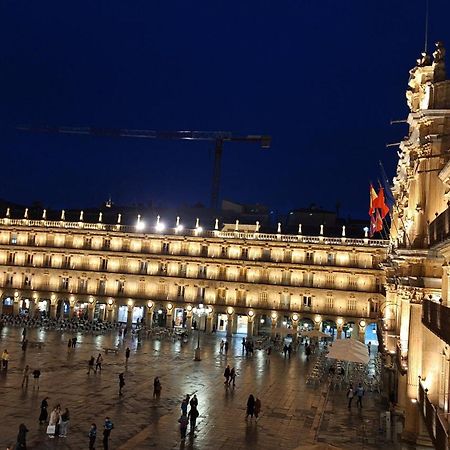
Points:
(439, 53)
(424, 60)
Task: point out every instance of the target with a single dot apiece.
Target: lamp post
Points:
(200, 311)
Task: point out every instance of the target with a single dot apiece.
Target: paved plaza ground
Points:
(293, 414)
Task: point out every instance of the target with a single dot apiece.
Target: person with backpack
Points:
(107, 428)
(350, 395)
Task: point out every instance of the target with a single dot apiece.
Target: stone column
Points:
(130, 317)
(250, 324)
(16, 302)
(110, 311)
(61, 310)
(294, 332)
(445, 284)
(209, 322)
(189, 320)
(339, 329)
(273, 325)
(32, 308)
(235, 323)
(53, 305)
(404, 325)
(91, 308)
(362, 331)
(169, 318)
(72, 309)
(230, 324)
(414, 368)
(149, 318)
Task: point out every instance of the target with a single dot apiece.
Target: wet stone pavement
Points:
(293, 414)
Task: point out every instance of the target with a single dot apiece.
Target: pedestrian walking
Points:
(121, 383)
(192, 416)
(250, 406)
(243, 345)
(226, 347)
(183, 421)
(307, 351)
(36, 375)
(289, 350)
(194, 401)
(184, 405)
(92, 436)
(257, 407)
(91, 365)
(44, 413)
(26, 375)
(24, 345)
(350, 395)
(285, 349)
(268, 352)
(74, 342)
(24, 334)
(232, 377)
(5, 359)
(127, 355)
(22, 437)
(359, 395)
(107, 428)
(98, 363)
(156, 387)
(227, 374)
(64, 423)
(222, 343)
(69, 344)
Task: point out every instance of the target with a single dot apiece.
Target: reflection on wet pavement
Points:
(289, 407)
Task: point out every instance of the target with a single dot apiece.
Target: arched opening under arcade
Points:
(370, 335)
(350, 329)
(159, 316)
(330, 327)
(7, 305)
(63, 309)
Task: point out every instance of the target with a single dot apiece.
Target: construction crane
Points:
(218, 137)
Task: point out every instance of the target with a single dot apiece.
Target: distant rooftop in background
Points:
(233, 215)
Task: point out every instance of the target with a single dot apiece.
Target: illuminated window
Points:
(14, 239)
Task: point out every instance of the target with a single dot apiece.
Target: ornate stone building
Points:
(252, 281)
(416, 313)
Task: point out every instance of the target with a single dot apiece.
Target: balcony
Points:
(436, 318)
(439, 229)
(435, 420)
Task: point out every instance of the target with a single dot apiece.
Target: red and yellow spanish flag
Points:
(380, 203)
(372, 200)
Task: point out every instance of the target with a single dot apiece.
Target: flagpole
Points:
(386, 183)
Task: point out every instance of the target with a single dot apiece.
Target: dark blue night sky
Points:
(324, 78)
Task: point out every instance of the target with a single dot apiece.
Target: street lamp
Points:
(200, 311)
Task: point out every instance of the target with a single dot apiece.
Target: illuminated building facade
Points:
(253, 282)
(417, 308)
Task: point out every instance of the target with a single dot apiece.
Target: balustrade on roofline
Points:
(199, 232)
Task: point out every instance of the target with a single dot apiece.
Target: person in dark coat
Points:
(92, 436)
(227, 374)
(22, 437)
(250, 406)
(44, 413)
(121, 383)
(192, 416)
(156, 387)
